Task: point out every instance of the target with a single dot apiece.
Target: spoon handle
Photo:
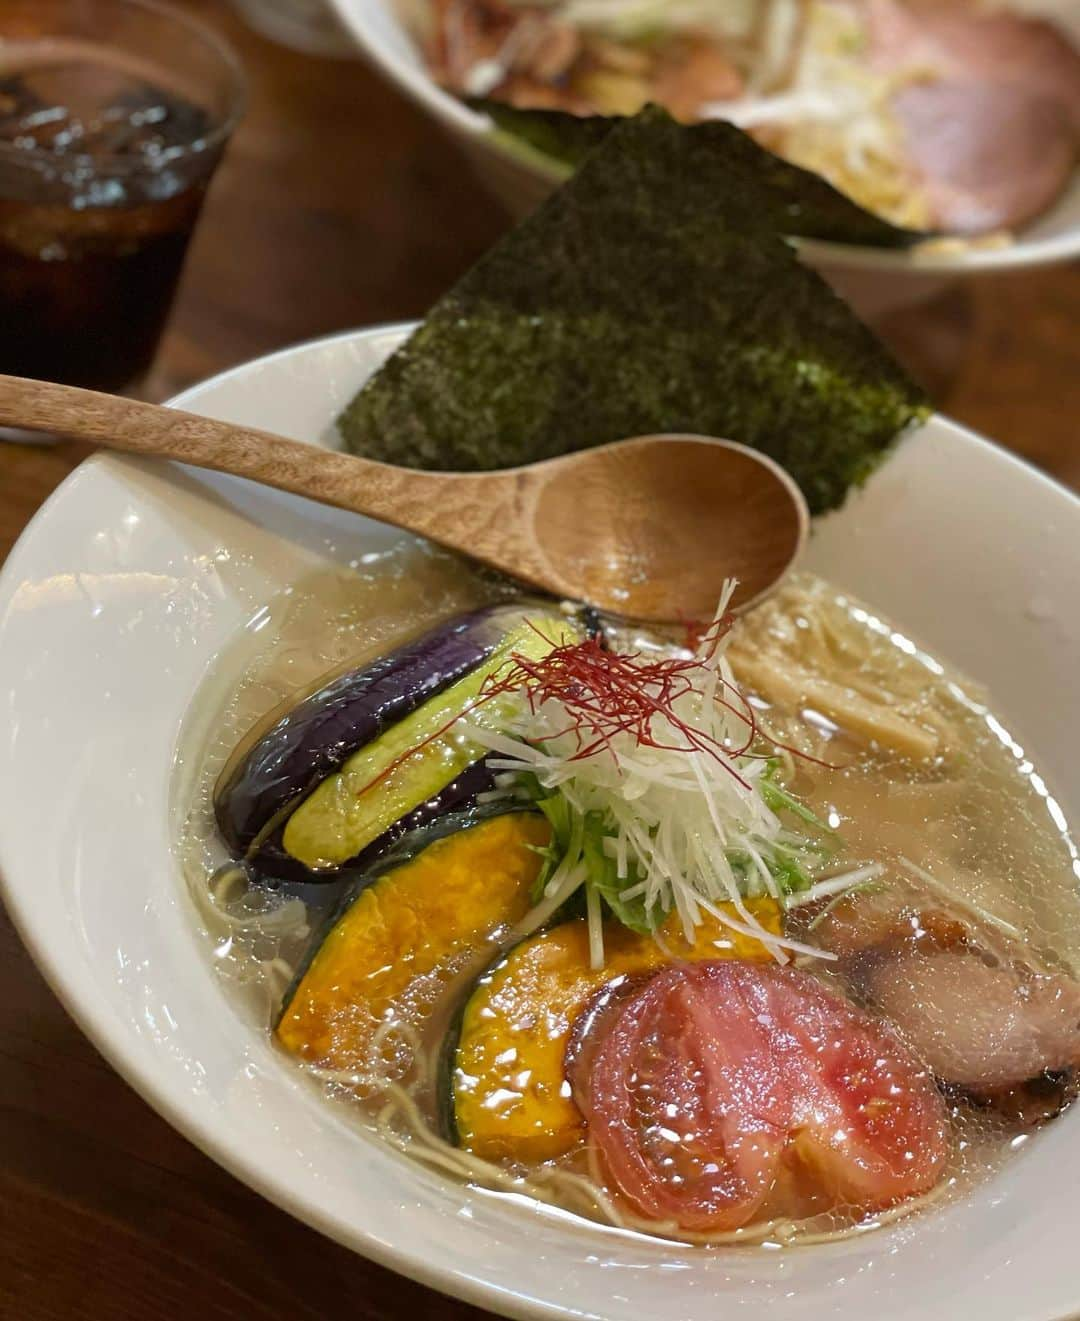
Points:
(400, 496)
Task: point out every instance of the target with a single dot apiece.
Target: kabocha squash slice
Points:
(509, 1099)
(427, 914)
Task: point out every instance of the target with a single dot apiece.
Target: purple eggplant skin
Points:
(272, 865)
(317, 737)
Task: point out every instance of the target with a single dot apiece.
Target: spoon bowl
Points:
(648, 528)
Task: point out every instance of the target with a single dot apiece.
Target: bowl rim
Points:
(478, 130)
(111, 1038)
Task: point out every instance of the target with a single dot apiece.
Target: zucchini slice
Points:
(428, 913)
(509, 1094)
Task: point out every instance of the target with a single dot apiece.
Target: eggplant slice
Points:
(373, 753)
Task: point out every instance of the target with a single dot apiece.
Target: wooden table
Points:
(339, 205)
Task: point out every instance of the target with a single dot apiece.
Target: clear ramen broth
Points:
(947, 845)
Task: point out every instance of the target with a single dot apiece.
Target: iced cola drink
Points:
(107, 146)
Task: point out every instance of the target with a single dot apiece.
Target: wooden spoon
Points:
(646, 528)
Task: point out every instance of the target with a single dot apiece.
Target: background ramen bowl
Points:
(113, 606)
(873, 280)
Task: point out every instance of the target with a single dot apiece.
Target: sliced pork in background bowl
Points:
(962, 117)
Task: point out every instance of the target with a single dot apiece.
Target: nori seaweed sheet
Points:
(651, 293)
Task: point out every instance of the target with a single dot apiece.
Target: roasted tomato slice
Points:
(711, 1076)
(866, 1116)
(687, 1103)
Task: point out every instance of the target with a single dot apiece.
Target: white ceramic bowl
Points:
(874, 280)
(112, 606)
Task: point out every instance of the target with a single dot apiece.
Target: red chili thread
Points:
(693, 631)
(606, 693)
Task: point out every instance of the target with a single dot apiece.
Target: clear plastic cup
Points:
(114, 115)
